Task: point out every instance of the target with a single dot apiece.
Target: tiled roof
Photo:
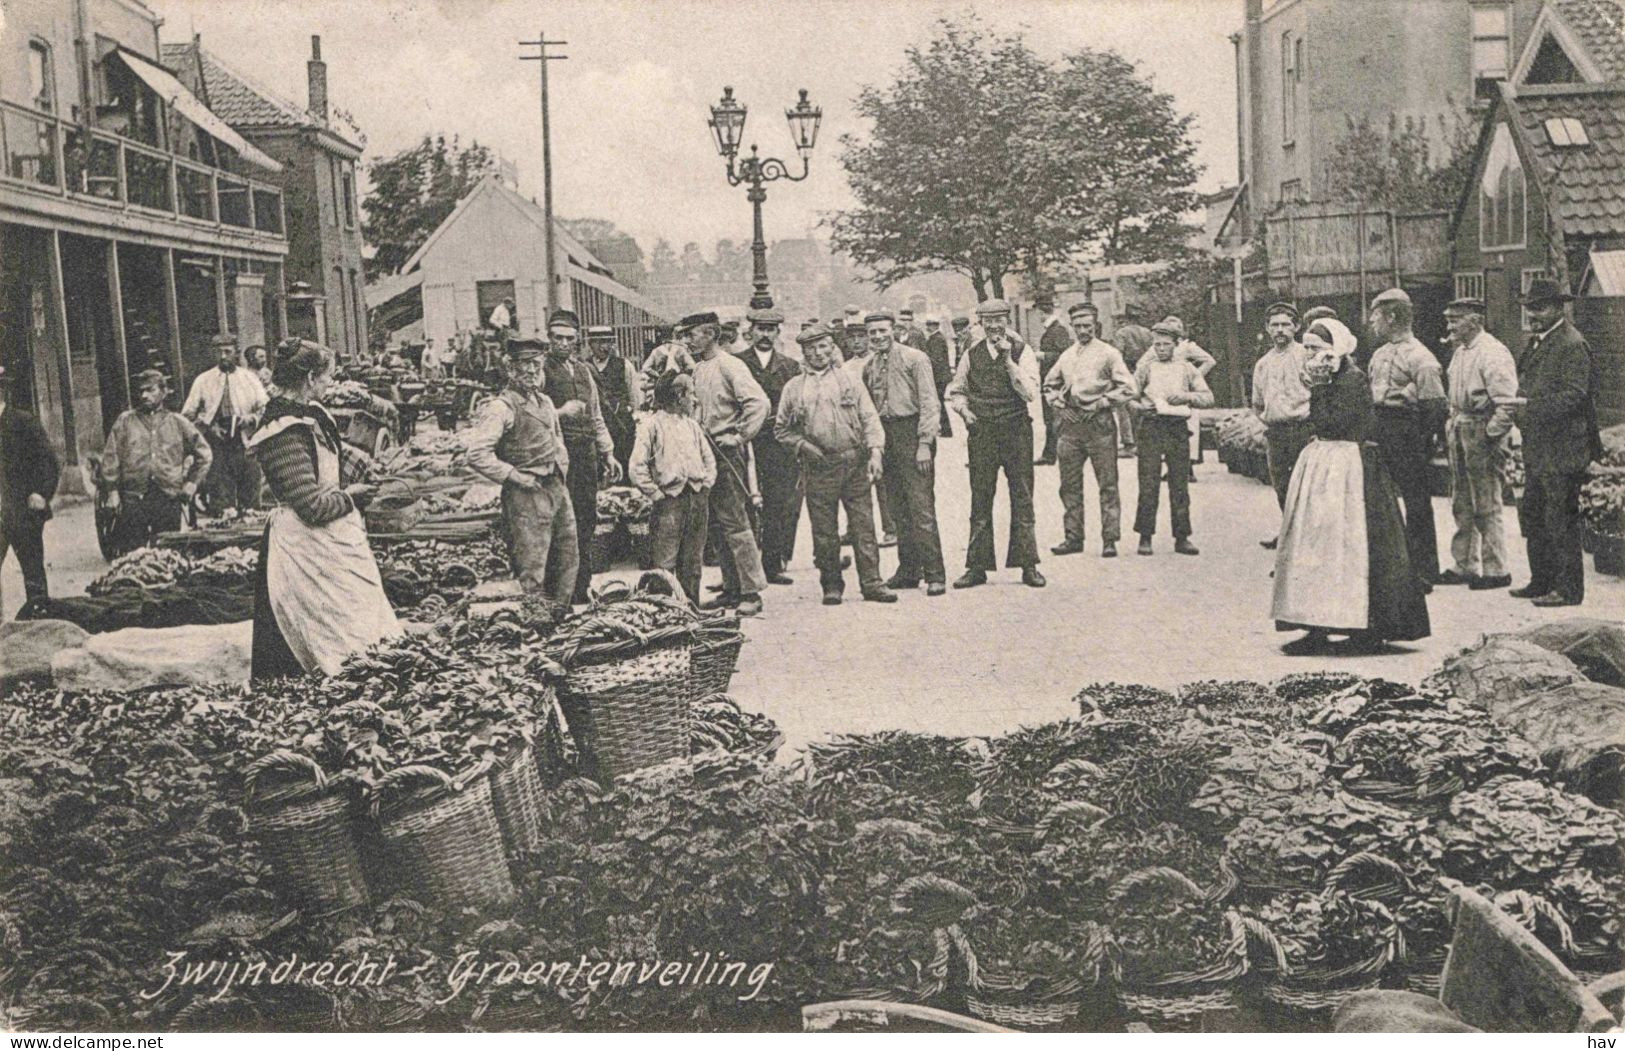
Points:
(1588, 201)
(233, 97)
(1600, 25)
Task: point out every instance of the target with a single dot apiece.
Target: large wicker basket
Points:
(630, 713)
(714, 658)
(516, 796)
(448, 844)
(310, 845)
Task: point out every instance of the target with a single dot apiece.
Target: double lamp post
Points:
(728, 127)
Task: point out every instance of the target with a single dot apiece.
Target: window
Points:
(1470, 285)
(41, 80)
(333, 179)
(349, 197)
(1290, 53)
(358, 311)
(1501, 195)
(1292, 191)
(1492, 48)
(1528, 275)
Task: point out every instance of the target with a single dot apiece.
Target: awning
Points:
(175, 94)
(1608, 272)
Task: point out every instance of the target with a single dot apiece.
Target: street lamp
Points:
(727, 125)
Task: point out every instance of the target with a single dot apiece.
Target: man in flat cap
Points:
(225, 402)
(1558, 376)
(942, 370)
(1170, 389)
(1187, 349)
(903, 389)
(731, 407)
(1054, 337)
(995, 390)
(671, 356)
(1281, 400)
(858, 351)
(618, 390)
(29, 473)
(516, 440)
(827, 420)
(1407, 391)
(1133, 339)
(152, 464)
(906, 331)
(574, 393)
(777, 474)
(1084, 387)
(856, 341)
(1481, 384)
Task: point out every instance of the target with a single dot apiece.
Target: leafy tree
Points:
(614, 247)
(1399, 165)
(413, 192)
(663, 268)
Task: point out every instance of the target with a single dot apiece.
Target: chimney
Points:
(317, 70)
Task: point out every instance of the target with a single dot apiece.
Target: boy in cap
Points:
(517, 442)
(731, 407)
(617, 389)
(1481, 383)
(673, 464)
(145, 471)
(1407, 393)
(994, 390)
(827, 419)
(1281, 400)
(1167, 384)
(574, 393)
(29, 473)
(1558, 376)
(1085, 386)
(777, 474)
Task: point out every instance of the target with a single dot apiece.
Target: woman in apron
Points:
(318, 595)
(1342, 567)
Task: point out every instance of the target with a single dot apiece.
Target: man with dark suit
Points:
(29, 472)
(778, 475)
(1054, 337)
(1557, 377)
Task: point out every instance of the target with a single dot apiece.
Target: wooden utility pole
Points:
(541, 44)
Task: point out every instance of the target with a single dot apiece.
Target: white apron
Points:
(323, 582)
(1322, 563)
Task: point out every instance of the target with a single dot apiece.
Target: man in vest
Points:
(778, 476)
(1407, 391)
(899, 380)
(994, 390)
(591, 450)
(1054, 338)
(731, 407)
(516, 441)
(617, 389)
(1085, 386)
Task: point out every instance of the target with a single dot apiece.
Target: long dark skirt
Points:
(270, 657)
(1399, 608)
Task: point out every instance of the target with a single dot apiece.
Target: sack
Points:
(137, 658)
(27, 646)
(1596, 646)
(1501, 670)
(1579, 731)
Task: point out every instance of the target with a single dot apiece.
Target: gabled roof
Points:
(1600, 26)
(1583, 184)
(239, 99)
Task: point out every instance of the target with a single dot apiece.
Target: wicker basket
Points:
(517, 798)
(640, 549)
(714, 658)
(608, 546)
(1041, 1015)
(448, 845)
(311, 845)
(1175, 1008)
(630, 713)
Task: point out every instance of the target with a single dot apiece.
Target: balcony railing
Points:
(45, 152)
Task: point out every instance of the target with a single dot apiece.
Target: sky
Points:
(629, 106)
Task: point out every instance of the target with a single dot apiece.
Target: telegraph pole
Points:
(541, 44)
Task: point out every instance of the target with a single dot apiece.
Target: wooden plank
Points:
(172, 317)
(115, 292)
(59, 292)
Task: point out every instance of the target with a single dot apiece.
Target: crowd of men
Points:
(849, 423)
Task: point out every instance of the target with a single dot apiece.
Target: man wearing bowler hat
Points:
(29, 472)
(1407, 393)
(994, 390)
(1558, 380)
(1482, 385)
(574, 393)
(145, 470)
(516, 441)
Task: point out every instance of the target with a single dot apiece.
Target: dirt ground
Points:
(996, 657)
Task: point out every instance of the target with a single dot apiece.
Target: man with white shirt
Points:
(1482, 381)
(1084, 388)
(1281, 400)
(225, 403)
(1054, 337)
